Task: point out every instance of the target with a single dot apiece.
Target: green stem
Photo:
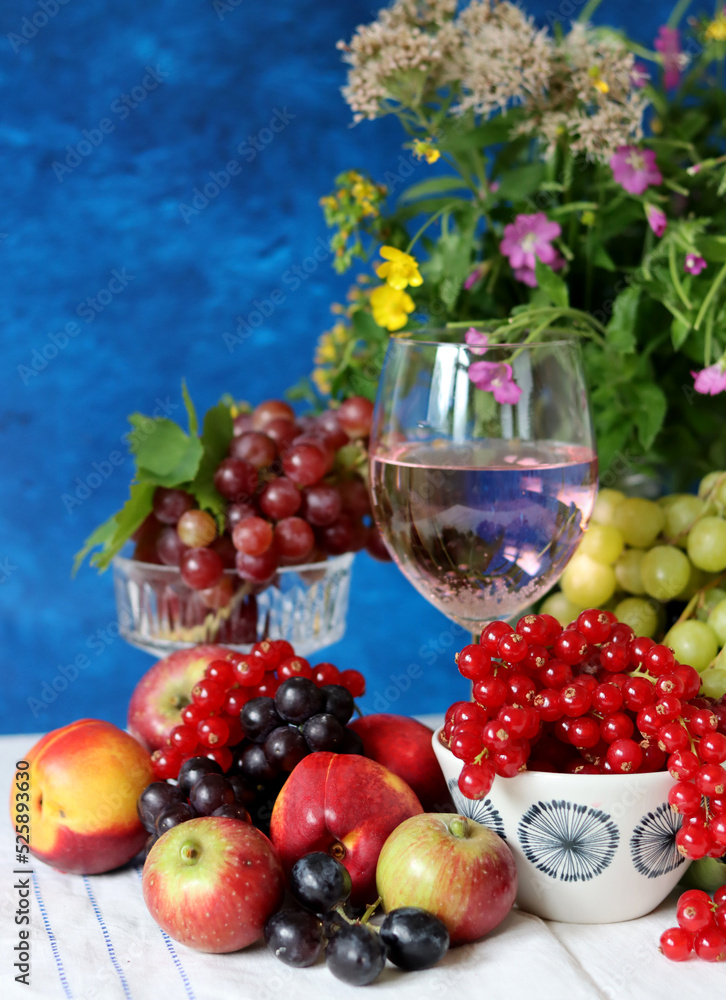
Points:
(708, 339)
(719, 280)
(676, 280)
(589, 10)
(426, 225)
(678, 11)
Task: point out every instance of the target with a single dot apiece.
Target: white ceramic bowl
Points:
(590, 848)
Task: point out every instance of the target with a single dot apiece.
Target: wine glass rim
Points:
(409, 338)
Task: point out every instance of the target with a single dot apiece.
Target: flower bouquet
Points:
(560, 178)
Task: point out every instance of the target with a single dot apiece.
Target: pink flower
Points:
(668, 43)
(694, 263)
(476, 340)
(496, 378)
(476, 275)
(635, 169)
(709, 381)
(656, 219)
(526, 275)
(639, 75)
(530, 237)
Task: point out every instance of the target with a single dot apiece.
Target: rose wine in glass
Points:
(481, 503)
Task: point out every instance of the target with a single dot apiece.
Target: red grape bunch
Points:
(293, 496)
(592, 698)
(250, 720)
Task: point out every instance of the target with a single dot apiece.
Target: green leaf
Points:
(436, 185)
(165, 455)
(191, 412)
(452, 259)
(430, 206)
(650, 411)
(495, 131)
(552, 285)
(520, 182)
(217, 433)
(366, 328)
(713, 248)
(679, 333)
(114, 533)
(601, 258)
(621, 328)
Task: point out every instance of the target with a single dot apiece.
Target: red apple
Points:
(84, 782)
(343, 804)
(451, 866)
(403, 745)
(212, 883)
(164, 690)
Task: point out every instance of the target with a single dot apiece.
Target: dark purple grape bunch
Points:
(355, 950)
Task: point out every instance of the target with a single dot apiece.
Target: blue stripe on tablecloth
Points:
(107, 938)
(51, 938)
(173, 953)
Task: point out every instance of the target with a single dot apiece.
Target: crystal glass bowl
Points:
(306, 604)
(590, 848)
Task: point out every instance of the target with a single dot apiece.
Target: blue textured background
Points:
(225, 74)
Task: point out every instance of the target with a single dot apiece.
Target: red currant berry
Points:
(326, 673)
(557, 674)
(466, 743)
(267, 687)
(638, 650)
(593, 625)
(235, 699)
(522, 689)
(625, 756)
(617, 726)
(469, 711)
(534, 629)
(575, 700)
(474, 662)
(717, 827)
(648, 720)
(191, 715)
(184, 739)
(491, 634)
(213, 732)
(711, 779)
(208, 695)
(659, 660)
(683, 765)
(490, 692)
(268, 653)
(354, 681)
(607, 698)
(248, 671)
(676, 944)
(691, 680)
(637, 693)
(719, 896)
(547, 703)
(221, 672)
(614, 657)
(694, 913)
(668, 708)
(537, 657)
(684, 798)
(712, 748)
(512, 648)
(702, 722)
(496, 735)
(672, 736)
(222, 755)
(693, 841)
(166, 762)
(512, 759)
(710, 944)
(654, 759)
(475, 780)
(515, 719)
(571, 646)
(584, 732)
(294, 666)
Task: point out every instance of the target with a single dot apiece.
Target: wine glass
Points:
(482, 502)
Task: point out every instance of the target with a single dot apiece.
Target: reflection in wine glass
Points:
(483, 469)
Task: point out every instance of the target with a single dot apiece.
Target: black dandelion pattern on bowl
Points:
(480, 810)
(569, 842)
(653, 844)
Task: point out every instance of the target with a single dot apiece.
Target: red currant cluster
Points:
(701, 928)
(210, 724)
(293, 496)
(592, 698)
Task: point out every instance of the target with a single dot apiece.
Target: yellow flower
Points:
(400, 269)
(328, 201)
(716, 31)
(425, 150)
(602, 86)
(391, 307)
(321, 378)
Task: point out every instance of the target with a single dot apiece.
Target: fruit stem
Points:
(459, 826)
(370, 910)
(189, 853)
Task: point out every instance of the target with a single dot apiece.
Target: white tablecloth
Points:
(91, 938)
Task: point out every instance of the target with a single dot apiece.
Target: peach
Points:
(85, 780)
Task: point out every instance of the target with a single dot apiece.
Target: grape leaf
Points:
(217, 432)
(112, 535)
(165, 455)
